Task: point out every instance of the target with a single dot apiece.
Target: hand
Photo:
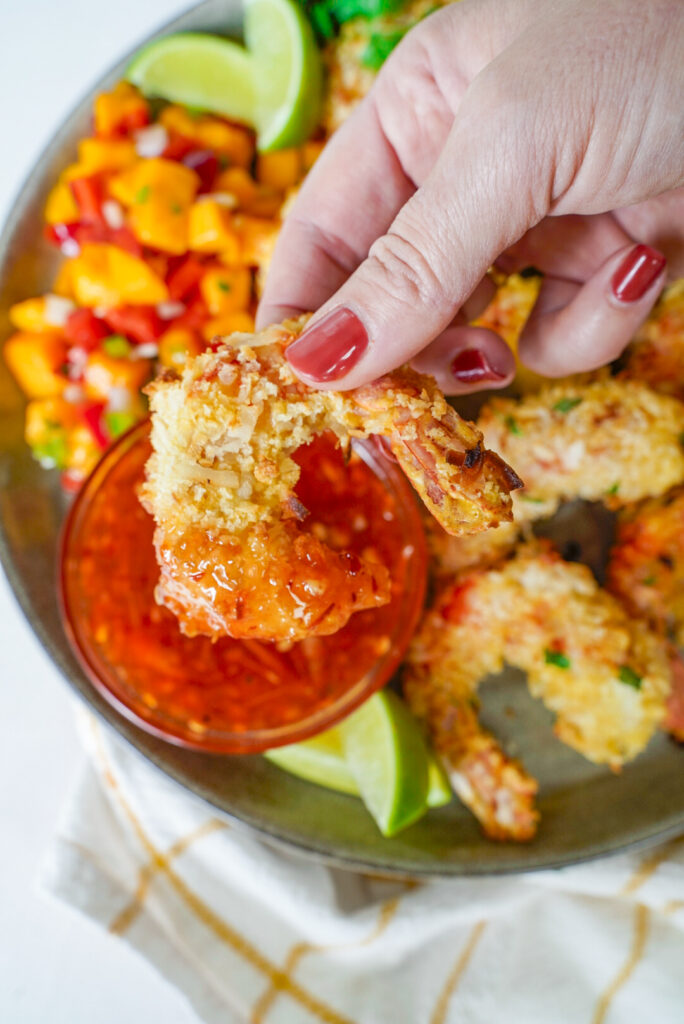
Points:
(497, 132)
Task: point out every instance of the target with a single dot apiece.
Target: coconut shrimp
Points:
(614, 441)
(656, 356)
(604, 675)
(234, 553)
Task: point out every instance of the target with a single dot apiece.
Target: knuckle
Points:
(406, 273)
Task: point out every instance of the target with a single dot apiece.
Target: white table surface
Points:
(55, 966)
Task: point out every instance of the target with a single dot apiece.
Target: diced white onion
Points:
(77, 356)
(113, 214)
(58, 309)
(119, 400)
(73, 393)
(70, 248)
(148, 350)
(170, 310)
(152, 141)
(100, 312)
(226, 199)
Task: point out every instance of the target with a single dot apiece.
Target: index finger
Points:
(349, 199)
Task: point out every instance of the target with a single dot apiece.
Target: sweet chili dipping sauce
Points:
(236, 695)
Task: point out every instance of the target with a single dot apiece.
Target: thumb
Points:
(472, 206)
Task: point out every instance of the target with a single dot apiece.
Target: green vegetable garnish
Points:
(143, 194)
(556, 658)
(119, 422)
(628, 675)
(512, 425)
(614, 489)
(224, 286)
(532, 501)
(649, 581)
(176, 208)
(566, 404)
(51, 453)
(117, 346)
(380, 45)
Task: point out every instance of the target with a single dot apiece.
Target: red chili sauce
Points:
(191, 686)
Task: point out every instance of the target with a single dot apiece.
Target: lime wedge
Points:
(200, 71)
(319, 760)
(386, 753)
(275, 85)
(287, 72)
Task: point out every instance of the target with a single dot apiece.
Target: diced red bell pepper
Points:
(71, 481)
(70, 237)
(185, 276)
(89, 195)
(195, 316)
(141, 324)
(85, 330)
(177, 147)
(205, 164)
(133, 121)
(93, 415)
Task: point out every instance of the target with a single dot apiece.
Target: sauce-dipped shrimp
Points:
(604, 675)
(614, 441)
(234, 552)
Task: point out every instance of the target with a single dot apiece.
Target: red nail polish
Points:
(472, 367)
(330, 348)
(637, 272)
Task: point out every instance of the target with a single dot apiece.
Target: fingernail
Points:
(472, 367)
(637, 272)
(330, 348)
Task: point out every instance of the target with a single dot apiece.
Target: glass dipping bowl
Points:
(156, 645)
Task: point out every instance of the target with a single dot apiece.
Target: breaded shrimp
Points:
(450, 555)
(604, 675)
(656, 356)
(646, 567)
(235, 556)
(614, 441)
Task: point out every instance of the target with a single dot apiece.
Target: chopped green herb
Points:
(512, 425)
(117, 346)
(322, 21)
(143, 194)
(628, 675)
(51, 453)
(556, 658)
(379, 47)
(223, 161)
(681, 438)
(223, 285)
(649, 581)
(119, 422)
(614, 489)
(566, 404)
(532, 501)
(176, 208)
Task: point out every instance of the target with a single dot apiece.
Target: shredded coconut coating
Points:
(656, 356)
(604, 675)
(224, 434)
(614, 441)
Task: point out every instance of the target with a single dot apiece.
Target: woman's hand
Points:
(508, 132)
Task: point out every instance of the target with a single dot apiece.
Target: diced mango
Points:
(226, 290)
(98, 155)
(239, 183)
(257, 237)
(63, 284)
(231, 141)
(310, 153)
(104, 275)
(161, 224)
(210, 229)
(223, 325)
(176, 346)
(281, 169)
(122, 107)
(35, 361)
(47, 427)
(155, 179)
(29, 315)
(83, 450)
(102, 373)
(61, 207)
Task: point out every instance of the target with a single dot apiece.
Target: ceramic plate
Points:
(586, 810)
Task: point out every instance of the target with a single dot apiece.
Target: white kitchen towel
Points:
(254, 935)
